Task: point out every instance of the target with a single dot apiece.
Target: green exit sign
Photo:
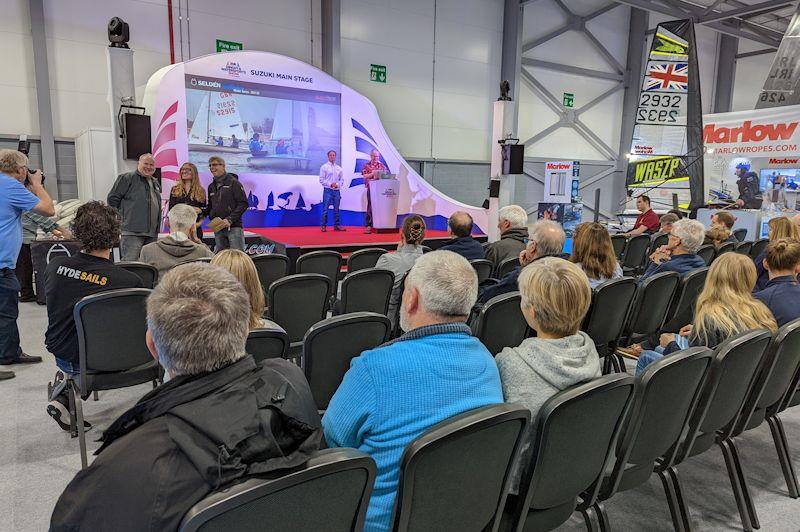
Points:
(569, 99)
(377, 73)
(228, 46)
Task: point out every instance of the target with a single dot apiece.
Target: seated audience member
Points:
(241, 266)
(70, 279)
(724, 308)
(725, 220)
(220, 418)
(546, 240)
(782, 293)
(677, 212)
(512, 222)
(459, 226)
(593, 252)
(178, 247)
(680, 253)
(436, 370)
(555, 298)
(666, 222)
(717, 236)
(409, 250)
(779, 227)
(647, 221)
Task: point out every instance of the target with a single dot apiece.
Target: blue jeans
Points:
(232, 238)
(646, 358)
(331, 197)
(9, 312)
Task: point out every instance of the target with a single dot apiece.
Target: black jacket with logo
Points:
(187, 438)
(227, 200)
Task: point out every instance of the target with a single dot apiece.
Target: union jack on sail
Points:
(667, 77)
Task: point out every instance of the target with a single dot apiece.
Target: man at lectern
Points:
(374, 169)
(331, 178)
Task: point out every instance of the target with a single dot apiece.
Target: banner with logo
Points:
(666, 151)
(560, 181)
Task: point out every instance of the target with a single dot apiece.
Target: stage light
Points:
(118, 33)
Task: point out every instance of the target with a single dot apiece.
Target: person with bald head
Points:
(137, 196)
(373, 169)
(459, 227)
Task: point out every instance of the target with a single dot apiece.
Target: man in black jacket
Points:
(228, 202)
(137, 196)
(511, 221)
(459, 225)
(220, 418)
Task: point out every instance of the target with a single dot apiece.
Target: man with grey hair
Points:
(680, 253)
(137, 196)
(512, 221)
(546, 240)
(436, 370)
(222, 417)
(178, 247)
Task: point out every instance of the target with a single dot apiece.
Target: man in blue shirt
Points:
(435, 371)
(782, 293)
(680, 253)
(15, 199)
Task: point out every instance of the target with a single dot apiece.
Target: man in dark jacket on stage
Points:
(227, 202)
(459, 225)
(220, 418)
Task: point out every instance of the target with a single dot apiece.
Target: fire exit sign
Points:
(569, 99)
(377, 73)
(228, 46)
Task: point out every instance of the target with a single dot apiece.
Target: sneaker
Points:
(338, 228)
(22, 359)
(368, 231)
(323, 229)
(58, 409)
(5, 375)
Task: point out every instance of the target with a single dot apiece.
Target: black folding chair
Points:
(325, 262)
(575, 433)
(501, 323)
(507, 266)
(112, 351)
(329, 492)
(661, 239)
(740, 234)
(296, 302)
(483, 268)
(744, 247)
(758, 247)
(635, 254)
(727, 247)
(364, 258)
(618, 243)
(146, 272)
(455, 475)
(267, 343)
(681, 310)
(366, 290)
(270, 268)
(330, 345)
(708, 253)
(605, 321)
(651, 302)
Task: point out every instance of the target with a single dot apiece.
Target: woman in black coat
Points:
(189, 191)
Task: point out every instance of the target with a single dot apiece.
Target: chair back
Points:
(507, 266)
(501, 323)
(483, 267)
(651, 304)
(364, 258)
(708, 253)
(618, 243)
(330, 345)
(681, 311)
(659, 240)
(744, 247)
(270, 268)
(267, 343)
(312, 289)
(635, 252)
(396, 318)
(758, 247)
(727, 247)
(329, 492)
(455, 475)
(740, 234)
(607, 315)
(146, 272)
(575, 432)
(325, 262)
(367, 290)
(111, 330)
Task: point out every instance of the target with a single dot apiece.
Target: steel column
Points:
(331, 37)
(726, 73)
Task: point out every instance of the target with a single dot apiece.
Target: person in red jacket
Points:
(647, 221)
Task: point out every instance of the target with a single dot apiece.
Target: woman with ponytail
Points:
(408, 251)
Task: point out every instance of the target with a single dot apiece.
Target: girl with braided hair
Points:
(408, 251)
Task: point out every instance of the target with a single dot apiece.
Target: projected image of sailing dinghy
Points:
(217, 125)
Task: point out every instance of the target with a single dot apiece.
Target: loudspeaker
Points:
(136, 135)
(494, 188)
(513, 158)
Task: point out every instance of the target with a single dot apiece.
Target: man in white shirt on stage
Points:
(331, 178)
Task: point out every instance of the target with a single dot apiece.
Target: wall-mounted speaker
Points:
(136, 135)
(513, 158)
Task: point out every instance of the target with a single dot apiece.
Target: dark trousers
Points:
(24, 271)
(331, 197)
(368, 214)
(9, 311)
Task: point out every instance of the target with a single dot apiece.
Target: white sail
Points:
(199, 132)
(282, 123)
(225, 118)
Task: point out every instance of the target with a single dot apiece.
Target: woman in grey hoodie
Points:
(555, 298)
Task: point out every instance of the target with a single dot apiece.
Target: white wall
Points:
(443, 67)
(751, 72)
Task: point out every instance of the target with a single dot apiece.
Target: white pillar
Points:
(121, 90)
(502, 128)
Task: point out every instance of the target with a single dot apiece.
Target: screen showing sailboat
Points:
(261, 129)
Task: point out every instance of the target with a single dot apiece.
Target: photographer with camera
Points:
(21, 190)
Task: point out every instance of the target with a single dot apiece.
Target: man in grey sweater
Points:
(555, 298)
(178, 247)
(137, 196)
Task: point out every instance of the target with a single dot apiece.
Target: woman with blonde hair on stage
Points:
(188, 190)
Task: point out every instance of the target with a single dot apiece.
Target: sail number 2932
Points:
(661, 109)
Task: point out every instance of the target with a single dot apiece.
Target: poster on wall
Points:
(558, 181)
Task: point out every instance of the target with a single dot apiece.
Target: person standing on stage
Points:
(189, 191)
(137, 196)
(331, 178)
(374, 169)
(226, 201)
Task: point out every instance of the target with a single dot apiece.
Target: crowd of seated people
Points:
(780, 227)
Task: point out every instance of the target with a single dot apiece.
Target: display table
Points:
(384, 194)
(749, 219)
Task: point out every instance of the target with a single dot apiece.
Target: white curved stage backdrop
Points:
(273, 119)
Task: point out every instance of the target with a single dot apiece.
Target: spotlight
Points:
(118, 33)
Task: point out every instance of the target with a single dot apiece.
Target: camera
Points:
(27, 179)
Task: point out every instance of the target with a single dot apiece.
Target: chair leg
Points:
(73, 427)
(95, 396)
(81, 432)
(736, 485)
(676, 506)
(748, 499)
(621, 363)
(782, 448)
(676, 483)
(589, 518)
(602, 517)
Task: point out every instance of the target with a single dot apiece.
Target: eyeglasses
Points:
(215, 164)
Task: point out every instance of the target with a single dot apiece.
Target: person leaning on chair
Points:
(137, 196)
(220, 417)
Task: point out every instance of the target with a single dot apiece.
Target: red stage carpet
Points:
(312, 236)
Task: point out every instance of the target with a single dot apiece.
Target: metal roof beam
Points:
(569, 69)
(769, 5)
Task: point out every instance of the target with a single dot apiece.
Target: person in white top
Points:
(331, 178)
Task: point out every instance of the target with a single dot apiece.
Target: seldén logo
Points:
(233, 69)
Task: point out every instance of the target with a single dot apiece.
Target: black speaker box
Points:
(513, 158)
(136, 135)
